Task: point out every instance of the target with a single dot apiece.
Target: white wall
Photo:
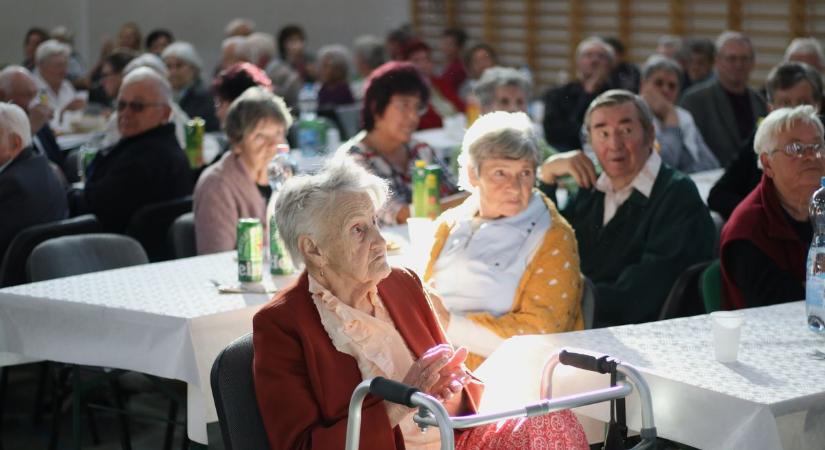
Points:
(198, 21)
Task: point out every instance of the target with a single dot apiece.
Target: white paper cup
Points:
(727, 327)
(422, 234)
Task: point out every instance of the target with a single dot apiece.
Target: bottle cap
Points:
(822, 182)
(420, 164)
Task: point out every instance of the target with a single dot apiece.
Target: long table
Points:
(773, 397)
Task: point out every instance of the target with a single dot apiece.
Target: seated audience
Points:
(111, 75)
(17, 86)
(239, 27)
(333, 74)
(257, 48)
(350, 317)
(129, 36)
(444, 101)
(725, 108)
(699, 55)
(505, 261)
(34, 37)
(789, 84)
(452, 43)
(237, 186)
(52, 60)
(184, 67)
(369, 55)
(623, 74)
(806, 50)
(286, 83)
(396, 95)
(765, 242)
(157, 40)
(232, 52)
(669, 46)
(477, 59)
(396, 40)
(30, 193)
(76, 70)
(147, 165)
(292, 50)
(680, 144)
(640, 224)
(564, 106)
(234, 81)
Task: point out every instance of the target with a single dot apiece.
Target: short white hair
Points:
(305, 201)
(7, 75)
(185, 52)
(13, 120)
(498, 134)
(149, 60)
(728, 36)
(50, 48)
(339, 56)
(236, 23)
(595, 41)
(233, 41)
(806, 45)
(258, 45)
(142, 74)
(781, 120)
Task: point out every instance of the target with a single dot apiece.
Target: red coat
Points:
(760, 220)
(304, 384)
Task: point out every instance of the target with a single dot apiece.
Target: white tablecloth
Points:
(705, 180)
(164, 319)
(772, 397)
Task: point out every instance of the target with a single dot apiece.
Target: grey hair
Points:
(498, 134)
(496, 77)
(728, 36)
(595, 41)
(14, 120)
(149, 60)
(236, 41)
(339, 56)
(306, 201)
(7, 75)
(185, 52)
(781, 120)
(239, 22)
(615, 97)
(50, 48)
(250, 108)
(670, 41)
(658, 62)
(256, 45)
(141, 74)
(370, 49)
(806, 45)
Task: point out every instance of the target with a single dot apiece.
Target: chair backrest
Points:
(73, 255)
(182, 236)
(150, 225)
(711, 281)
(685, 297)
(13, 266)
(233, 389)
(588, 302)
(349, 116)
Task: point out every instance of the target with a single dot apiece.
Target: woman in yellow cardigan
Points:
(505, 261)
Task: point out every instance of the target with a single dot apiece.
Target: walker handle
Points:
(585, 362)
(393, 391)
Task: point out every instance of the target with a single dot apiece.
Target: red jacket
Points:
(304, 384)
(760, 220)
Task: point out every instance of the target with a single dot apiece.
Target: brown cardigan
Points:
(304, 384)
(224, 194)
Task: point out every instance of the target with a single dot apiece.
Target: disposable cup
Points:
(727, 327)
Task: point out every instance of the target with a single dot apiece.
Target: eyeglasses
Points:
(136, 107)
(410, 106)
(798, 149)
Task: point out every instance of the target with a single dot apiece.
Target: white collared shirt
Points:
(643, 183)
(57, 100)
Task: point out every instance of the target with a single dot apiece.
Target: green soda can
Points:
(195, 129)
(433, 191)
(279, 261)
(250, 250)
(419, 193)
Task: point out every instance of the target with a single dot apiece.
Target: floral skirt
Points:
(555, 431)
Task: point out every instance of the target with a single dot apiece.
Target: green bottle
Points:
(419, 194)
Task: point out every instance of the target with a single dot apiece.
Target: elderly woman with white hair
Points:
(184, 65)
(350, 316)
(765, 241)
(334, 63)
(52, 68)
(807, 50)
(505, 261)
(237, 185)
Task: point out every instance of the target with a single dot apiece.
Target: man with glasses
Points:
(146, 165)
(640, 223)
(724, 107)
(765, 242)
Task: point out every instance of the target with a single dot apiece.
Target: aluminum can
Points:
(250, 240)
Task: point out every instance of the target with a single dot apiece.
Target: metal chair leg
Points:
(122, 415)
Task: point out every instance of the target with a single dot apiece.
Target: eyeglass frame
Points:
(798, 149)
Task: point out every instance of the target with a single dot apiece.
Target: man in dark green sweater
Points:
(640, 223)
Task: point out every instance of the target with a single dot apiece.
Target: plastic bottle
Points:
(419, 194)
(312, 129)
(279, 170)
(815, 283)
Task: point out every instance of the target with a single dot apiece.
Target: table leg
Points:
(77, 395)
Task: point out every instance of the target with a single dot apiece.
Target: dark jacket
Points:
(198, 102)
(46, 143)
(137, 171)
(739, 179)
(30, 194)
(564, 109)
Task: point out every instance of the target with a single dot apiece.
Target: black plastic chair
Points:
(588, 302)
(13, 267)
(182, 236)
(685, 297)
(233, 389)
(150, 226)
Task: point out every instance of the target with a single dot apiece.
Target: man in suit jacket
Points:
(30, 192)
(725, 108)
(146, 165)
